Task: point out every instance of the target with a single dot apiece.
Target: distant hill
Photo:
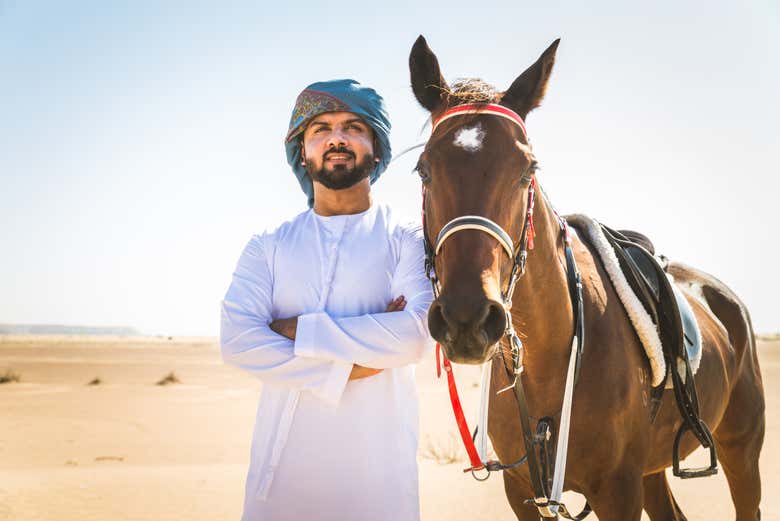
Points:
(55, 329)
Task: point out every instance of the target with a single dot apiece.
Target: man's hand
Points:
(288, 326)
(285, 327)
(358, 371)
(396, 305)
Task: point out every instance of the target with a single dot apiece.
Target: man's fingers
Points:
(397, 304)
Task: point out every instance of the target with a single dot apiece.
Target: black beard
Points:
(341, 177)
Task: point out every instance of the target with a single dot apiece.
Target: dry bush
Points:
(95, 381)
(9, 377)
(448, 449)
(444, 449)
(110, 458)
(169, 379)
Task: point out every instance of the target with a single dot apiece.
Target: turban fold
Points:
(337, 96)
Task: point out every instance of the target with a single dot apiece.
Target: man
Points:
(307, 312)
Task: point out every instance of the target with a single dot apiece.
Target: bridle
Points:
(547, 487)
(483, 224)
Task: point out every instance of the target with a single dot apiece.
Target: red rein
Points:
(457, 408)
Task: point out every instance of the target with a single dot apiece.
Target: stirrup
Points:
(699, 472)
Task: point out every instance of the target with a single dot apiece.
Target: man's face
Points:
(338, 148)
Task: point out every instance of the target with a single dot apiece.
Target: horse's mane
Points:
(472, 90)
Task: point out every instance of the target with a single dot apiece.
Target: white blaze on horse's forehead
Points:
(470, 138)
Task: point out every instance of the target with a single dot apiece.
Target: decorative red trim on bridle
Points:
(481, 108)
(531, 230)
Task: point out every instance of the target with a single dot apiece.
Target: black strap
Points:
(537, 472)
(574, 280)
(537, 484)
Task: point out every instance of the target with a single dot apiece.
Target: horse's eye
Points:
(422, 171)
(532, 168)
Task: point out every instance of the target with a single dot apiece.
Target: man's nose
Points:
(337, 138)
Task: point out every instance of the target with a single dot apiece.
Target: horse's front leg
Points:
(618, 496)
(518, 489)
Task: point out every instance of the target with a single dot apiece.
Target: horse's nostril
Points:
(437, 324)
(494, 323)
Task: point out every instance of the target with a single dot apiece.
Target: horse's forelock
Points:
(472, 90)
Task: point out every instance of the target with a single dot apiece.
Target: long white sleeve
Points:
(379, 340)
(249, 343)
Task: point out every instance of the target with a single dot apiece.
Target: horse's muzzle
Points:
(466, 329)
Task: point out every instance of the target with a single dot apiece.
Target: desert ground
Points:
(126, 448)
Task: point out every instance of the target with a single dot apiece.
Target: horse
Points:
(478, 164)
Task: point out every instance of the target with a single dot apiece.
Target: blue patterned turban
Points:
(337, 96)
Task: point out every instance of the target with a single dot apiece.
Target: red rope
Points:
(457, 408)
(438, 360)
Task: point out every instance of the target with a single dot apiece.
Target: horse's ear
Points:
(527, 91)
(429, 87)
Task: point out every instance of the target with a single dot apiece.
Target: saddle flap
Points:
(648, 280)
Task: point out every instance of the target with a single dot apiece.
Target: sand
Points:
(128, 449)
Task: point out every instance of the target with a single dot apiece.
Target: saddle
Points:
(677, 330)
(662, 300)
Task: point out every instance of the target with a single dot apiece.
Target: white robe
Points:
(325, 447)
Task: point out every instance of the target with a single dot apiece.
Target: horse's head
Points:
(475, 164)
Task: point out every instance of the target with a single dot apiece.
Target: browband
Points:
(482, 108)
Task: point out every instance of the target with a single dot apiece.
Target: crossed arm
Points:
(315, 352)
(288, 326)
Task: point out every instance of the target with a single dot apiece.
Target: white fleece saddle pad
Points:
(640, 319)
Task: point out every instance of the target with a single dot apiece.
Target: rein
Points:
(547, 495)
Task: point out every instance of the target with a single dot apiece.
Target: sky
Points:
(141, 143)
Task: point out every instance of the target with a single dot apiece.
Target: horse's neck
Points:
(542, 310)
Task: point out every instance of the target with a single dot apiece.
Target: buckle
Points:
(543, 505)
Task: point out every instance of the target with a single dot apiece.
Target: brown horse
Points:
(479, 164)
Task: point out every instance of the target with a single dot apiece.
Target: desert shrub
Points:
(169, 379)
(9, 377)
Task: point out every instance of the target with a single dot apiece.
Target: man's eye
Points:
(355, 127)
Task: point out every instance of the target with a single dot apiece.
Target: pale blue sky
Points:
(141, 142)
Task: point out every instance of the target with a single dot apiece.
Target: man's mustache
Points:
(340, 150)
